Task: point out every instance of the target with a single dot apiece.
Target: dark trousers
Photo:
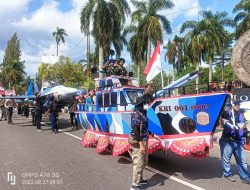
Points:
(73, 119)
(19, 109)
(9, 114)
(26, 111)
(53, 121)
(38, 118)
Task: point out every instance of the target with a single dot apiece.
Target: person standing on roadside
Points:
(2, 109)
(232, 142)
(72, 109)
(38, 111)
(52, 105)
(9, 106)
(139, 142)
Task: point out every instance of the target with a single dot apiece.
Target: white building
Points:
(50, 59)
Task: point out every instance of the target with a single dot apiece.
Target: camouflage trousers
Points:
(2, 112)
(139, 162)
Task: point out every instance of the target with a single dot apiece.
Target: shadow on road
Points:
(191, 168)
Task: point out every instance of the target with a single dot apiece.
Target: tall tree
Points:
(59, 35)
(206, 36)
(137, 49)
(175, 54)
(150, 22)
(64, 72)
(225, 54)
(242, 18)
(12, 67)
(107, 17)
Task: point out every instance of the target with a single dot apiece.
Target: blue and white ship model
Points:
(184, 123)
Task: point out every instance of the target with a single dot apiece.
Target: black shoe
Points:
(230, 178)
(246, 181)
(135, 187)
(143, 182)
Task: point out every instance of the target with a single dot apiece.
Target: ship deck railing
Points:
(111, 108)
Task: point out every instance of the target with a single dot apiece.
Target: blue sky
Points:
(35, 21)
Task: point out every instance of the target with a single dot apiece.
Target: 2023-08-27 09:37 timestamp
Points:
(42, 181)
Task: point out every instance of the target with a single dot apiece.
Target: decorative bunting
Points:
(102, 144)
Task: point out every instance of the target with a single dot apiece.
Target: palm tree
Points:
(171, 55)
(13, 72)
(242, 18)
(137, 48)
(59, 36)
(150, 22)
(206, 37)
(107, 17)
(225, 54)
(175, 54)
(199, 41)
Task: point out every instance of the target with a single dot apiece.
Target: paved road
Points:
(30, 159)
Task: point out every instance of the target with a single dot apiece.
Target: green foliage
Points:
(242, 18)
(65, 72)
(89, 83)
(107, 18)
(228, 76)
(206, 37)
(12, 68)
(147, 26)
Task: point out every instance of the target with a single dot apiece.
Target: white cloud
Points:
(35, 28)
(12, 9)
(1, 55)
(187, 8)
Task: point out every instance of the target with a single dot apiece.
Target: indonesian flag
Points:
(153, 68)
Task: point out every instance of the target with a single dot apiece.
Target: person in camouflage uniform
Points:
(107, 68)
(2, 109)
(121, 70)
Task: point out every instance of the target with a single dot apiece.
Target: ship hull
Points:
(185, 124)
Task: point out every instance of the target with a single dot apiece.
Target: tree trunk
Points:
(57, 49)
(210, 72)
(173, 72)
(100, 60)
(148, 50)
(222, 67)
(88, 51)
(197, 79)
(138, 73)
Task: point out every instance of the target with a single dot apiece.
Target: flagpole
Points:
(162, 82)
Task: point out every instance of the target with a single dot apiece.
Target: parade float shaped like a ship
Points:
(185, 124)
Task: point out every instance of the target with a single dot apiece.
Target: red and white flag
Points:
(153, 68)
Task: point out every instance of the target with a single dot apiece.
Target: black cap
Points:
(120, 60)
(236, 103)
